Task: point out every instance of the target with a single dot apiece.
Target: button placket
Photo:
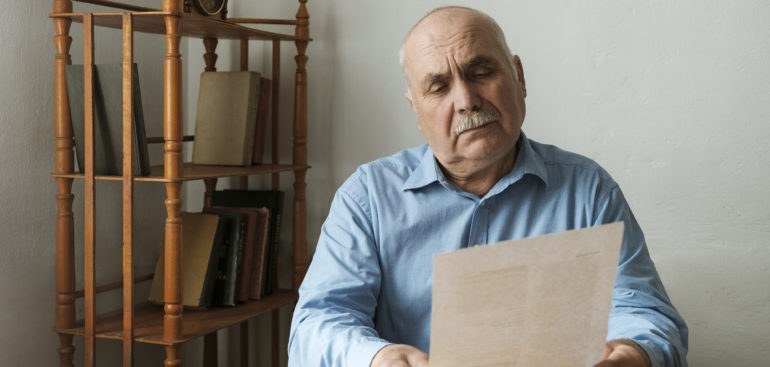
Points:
(479, 225)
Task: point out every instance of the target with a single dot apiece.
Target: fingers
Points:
(418, 359)
(623, 353)
(400, 355)
(607, 351)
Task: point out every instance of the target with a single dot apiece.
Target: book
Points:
(252, 252)
(265, 90)
(108, 119)
(226, 118)
(273, 201)
(202, 236)
(256, 290)
(228, 269)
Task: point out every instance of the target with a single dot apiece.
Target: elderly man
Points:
(366, 299)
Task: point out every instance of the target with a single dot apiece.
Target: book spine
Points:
(209, 282)
(220, 278)
(260, 250)
(272, 263)
(231, 262)
(238, 261)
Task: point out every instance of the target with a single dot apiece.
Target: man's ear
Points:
(408, 97)
(519, 70)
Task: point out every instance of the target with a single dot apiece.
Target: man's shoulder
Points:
(401, 162)
(560, 162)
(387, 172)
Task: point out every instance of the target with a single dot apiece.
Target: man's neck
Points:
(478, 181)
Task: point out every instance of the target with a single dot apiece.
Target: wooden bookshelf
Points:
(137, 321)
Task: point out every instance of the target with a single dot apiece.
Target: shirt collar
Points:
(426, 173)
(527, 162)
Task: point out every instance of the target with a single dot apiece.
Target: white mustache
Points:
(474, 119)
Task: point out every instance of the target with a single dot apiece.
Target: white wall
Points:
(670, 97)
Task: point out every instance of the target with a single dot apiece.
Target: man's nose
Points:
(466, 97)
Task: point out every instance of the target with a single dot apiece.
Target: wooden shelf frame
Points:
(191, 172)
(190, 25)
(148, 326)
(168, 325)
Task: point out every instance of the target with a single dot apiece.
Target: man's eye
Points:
(437, 88)
(482, 74)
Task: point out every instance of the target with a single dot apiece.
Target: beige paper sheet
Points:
(541, 301)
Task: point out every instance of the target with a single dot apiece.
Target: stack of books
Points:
(229, 250)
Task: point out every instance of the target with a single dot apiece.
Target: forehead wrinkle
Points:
(439, 46)
(440, 54)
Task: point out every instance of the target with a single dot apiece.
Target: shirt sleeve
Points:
(641, 310)
(333, 322)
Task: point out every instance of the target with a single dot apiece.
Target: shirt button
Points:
(483, 203)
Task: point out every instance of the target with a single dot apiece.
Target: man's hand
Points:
(623, 353)
(400, 355)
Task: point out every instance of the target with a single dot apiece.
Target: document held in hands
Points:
(540, 301)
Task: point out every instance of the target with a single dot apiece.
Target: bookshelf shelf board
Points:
(148, 320)
(190, 25)
(192, 172)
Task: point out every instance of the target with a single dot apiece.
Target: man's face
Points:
(454, 67)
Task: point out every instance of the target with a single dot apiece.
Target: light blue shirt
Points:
(369, 283)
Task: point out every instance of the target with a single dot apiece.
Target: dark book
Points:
(265, 90)
(273, 201)
(250, 247)
(228, 270)
(108, 119)
(202, 236)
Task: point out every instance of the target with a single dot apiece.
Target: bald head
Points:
(443, 19)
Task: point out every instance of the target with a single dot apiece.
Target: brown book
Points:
(261, 126)
(201, 239)
(248, 256)
(262, 232)
(226, 118)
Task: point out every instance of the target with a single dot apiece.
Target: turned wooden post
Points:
(300, 146)
(210, 44)
(208, 195)
(63, 156)
(299, 158)
(172, 164)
